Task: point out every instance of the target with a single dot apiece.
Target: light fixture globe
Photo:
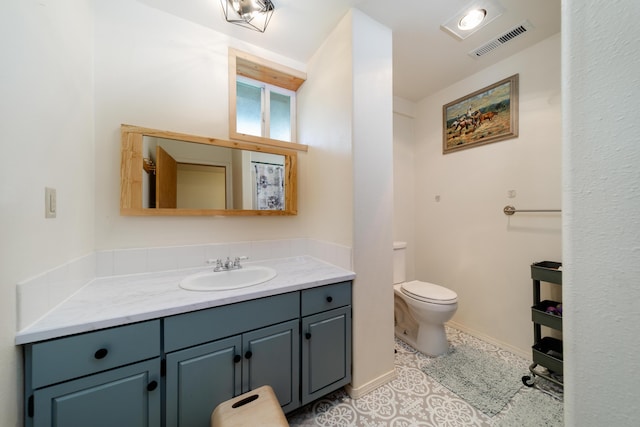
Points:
(252, 14)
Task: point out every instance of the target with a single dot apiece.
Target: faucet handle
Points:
(236, 261)
(217, 262)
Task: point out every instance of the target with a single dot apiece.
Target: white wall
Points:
(404, 179)
(464, 241)
(346, 120)
(325, 124)
(601, 159)
(373, 203)
(156, 70)
(46, 133)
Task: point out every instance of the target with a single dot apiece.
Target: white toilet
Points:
(421, 308)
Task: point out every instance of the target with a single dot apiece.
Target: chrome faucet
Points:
(227, 264)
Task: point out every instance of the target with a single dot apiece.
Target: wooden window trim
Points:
(247, 65)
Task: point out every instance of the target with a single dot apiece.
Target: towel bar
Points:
(510, 210)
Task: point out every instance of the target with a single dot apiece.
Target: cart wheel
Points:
(526, 380)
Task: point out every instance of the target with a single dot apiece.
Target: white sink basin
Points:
(225, 280)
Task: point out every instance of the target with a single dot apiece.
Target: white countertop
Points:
(119, 300)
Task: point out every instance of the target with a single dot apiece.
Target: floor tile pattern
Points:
(413, 399)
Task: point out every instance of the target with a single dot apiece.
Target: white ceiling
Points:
(425, 57)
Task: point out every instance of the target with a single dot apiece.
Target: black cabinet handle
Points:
(307, 335)
(248, 355)
(101, 354)
(237, 358)
(329, 299)
(152, 385)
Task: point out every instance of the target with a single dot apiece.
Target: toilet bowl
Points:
(429, 314)
(421, 309)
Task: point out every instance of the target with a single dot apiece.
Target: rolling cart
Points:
(547, 351)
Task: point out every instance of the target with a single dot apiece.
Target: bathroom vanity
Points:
(172, 366)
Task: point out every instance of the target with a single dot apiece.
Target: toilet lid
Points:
(429, 292)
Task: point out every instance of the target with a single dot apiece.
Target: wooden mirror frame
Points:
(132, 168)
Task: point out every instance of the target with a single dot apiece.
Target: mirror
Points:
(169, 173)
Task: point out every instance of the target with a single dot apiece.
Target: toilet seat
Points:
(429, 292)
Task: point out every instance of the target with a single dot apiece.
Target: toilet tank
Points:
(399, 262)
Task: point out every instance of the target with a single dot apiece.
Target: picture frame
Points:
(485, 116)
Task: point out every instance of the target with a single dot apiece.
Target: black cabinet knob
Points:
(307, 335)
(101, 354)
(329, 299)
(237, 358)
(152, 385)
(248, 355)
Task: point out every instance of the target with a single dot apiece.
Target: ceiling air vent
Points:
(511, 34)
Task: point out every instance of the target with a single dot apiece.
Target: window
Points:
(265, 110)
(262, 101)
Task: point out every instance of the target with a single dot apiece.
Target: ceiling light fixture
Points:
(472, 19)
(474, 16)
(252, 14)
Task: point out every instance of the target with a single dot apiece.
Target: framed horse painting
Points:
(482, 117)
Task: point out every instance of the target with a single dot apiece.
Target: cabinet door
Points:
(200, 378)
(326, 352)
(271, 357)
(123, 397)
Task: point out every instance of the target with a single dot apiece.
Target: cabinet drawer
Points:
(71, 357)
(189, 329)
(325, 298)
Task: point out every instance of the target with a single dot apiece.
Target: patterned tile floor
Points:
(413, 399)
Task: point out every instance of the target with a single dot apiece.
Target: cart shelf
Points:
(540, 315)
(548, 353)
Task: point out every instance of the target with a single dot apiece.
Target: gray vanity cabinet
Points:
(174, 371)
(104, 378)
(231, 350)
(326, 340)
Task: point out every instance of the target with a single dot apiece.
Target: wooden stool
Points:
(259, 407)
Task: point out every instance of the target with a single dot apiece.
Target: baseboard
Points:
(491, 340)
(356, 393)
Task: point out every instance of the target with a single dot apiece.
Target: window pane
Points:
(248, 109)
(280, 117)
